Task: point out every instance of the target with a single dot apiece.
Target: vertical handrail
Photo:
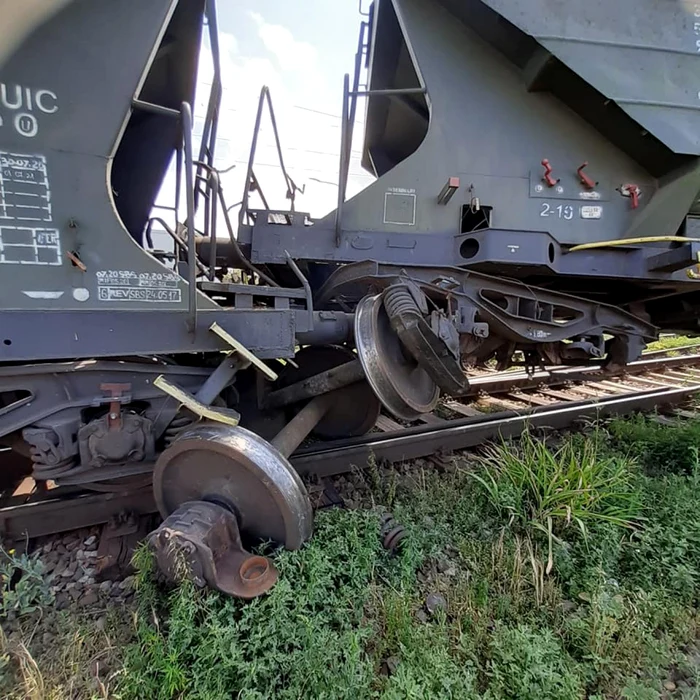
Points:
(186, 112)
(344, 165)
(204, 164)
(215, 186)
(211, 121)
(178, 183)
(347, 128)
(251, 159)
(206, 185)
(291, 185)
(356, 79)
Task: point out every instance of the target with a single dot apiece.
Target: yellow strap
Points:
(633, 241)
(242, 350)
(226, 416)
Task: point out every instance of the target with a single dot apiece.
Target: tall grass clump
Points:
(551, 489)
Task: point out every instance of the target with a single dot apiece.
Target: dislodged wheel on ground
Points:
(352, 415)
(240, 471)
(219, 487)
(401, 384)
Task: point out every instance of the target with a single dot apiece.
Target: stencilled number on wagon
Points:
(562, 211)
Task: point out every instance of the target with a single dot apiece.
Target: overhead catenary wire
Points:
(301, 107)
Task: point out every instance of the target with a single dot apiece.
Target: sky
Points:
(301, 50)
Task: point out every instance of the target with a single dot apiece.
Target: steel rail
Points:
(504, 382)
(69, 508)
(339, 457)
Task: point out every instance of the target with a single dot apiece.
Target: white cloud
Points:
(291, 54)
(228, 43)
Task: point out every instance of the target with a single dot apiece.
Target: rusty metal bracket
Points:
(118, 541)
(200, 541)
(117, 397)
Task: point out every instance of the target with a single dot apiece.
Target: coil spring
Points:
(42, 471)
(391, 533)
(181, 422)
(399, 300)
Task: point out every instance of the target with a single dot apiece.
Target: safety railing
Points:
(251, 182)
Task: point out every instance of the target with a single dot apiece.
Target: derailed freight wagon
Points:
(536, 196)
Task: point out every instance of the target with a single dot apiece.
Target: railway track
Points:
(499, 404)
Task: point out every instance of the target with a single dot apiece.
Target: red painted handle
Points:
(548, 174)
(585, 180)
(634, 193)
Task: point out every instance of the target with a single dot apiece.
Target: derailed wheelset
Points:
(220, 486)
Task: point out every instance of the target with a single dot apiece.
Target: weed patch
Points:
(665, 554)
(669, 342)
(659, 449)
(419, 660)
(304, 639)
(530, 664)
(23, 589)
(538, 571)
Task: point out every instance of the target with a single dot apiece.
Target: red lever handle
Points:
(548, 174)
(633, 192)
(585, 180)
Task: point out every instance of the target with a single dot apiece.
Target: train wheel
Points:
(402, 385)
(241, 472)
(216, 486)
(357, 412)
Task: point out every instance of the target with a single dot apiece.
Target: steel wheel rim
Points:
(404, 389)
(238, 469)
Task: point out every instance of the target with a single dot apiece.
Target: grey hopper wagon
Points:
(536, 197)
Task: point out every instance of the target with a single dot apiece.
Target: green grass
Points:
(669, 342)
(569, 569)
(307, 636)
(552, 489)
(658, 449)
